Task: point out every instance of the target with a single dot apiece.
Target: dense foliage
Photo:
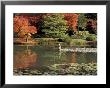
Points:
(22, 27)
(54, 25)
(65, 26)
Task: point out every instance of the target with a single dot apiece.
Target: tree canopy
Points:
(23, 28)
(54, 25)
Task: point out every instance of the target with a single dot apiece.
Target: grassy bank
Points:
(55, 41)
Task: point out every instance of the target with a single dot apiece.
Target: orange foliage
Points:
(24, 20)
(72, 20)
(22, 26)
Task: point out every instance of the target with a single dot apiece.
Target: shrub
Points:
(67, 39)
(82, 32)
(71, 41)
(78, 42)
(91, 38)
(81, 35)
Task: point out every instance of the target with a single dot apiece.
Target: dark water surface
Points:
(36, 57)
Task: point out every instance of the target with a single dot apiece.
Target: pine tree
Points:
(54, 25)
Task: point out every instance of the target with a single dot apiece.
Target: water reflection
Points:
(24, 58)
(73, 58)
(39, 56)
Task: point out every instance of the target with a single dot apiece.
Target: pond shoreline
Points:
(51, 41)
(61, 69)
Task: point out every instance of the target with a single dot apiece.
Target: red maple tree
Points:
(72, 20)
(23, 28)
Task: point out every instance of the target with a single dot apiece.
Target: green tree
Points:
(54, 25)
(82, 21)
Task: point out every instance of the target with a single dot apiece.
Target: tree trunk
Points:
(27, 39)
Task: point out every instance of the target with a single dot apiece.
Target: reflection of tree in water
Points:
(66, 57)
(25, 58)
(73, 58)
(86, 57)
(70, 57)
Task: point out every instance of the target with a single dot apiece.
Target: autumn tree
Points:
(91, 26)
(72, 20)
(92, 22)
(88, 22)
(22, 27)
(54, 25)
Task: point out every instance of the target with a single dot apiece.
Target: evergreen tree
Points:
(54, 25)
(82, 21)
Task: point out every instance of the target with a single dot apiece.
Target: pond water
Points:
(36, 57)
